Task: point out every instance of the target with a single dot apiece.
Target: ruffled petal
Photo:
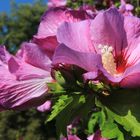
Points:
(87, 61)
(108, 29)
(131, 77)
(5, 75)
(54, 17)
(133, 57)
(4, 55)
(23, 94)
(32, 54)
(76, 36)
(50, 22)
(48, 44)
(26, 71)
(44, 107)
(132, 28)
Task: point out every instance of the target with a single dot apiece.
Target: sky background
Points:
(5, 4)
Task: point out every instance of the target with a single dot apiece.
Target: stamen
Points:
(108, 59)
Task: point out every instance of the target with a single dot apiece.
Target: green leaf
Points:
(82, 99)
(122, 100)
(96, 87)
(62, 103)
(96, 118)
(79, 107)
(129, 122)
(59, 78)
(55, 88)
(106, 124)
(111, 131)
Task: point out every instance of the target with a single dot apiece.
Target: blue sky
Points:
(5, 4)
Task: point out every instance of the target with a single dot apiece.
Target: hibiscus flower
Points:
(106, 47)
(23, 79)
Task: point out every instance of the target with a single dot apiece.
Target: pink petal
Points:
(129, 7)
(131, 77)
(108, 29)
(54, 17)
(134, 57)
(50, 22)
(132, 29)
(49, 44)
(26, 71)
(76, 36)
(5, 75)
(123, 2)
(32, 54)
(56, 3)
(131, 81)
(87, 61)
(23, 94)
(90, 75)
(44, 107)
(4, 55)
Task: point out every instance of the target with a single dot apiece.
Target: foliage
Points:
(111, 124)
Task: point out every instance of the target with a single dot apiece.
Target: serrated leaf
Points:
(128, 122)
(61, 104)
(96, 118)
(123, 100)
(111, 131)
(108, 127)
(77, 108)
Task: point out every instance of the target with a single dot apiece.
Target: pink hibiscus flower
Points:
(23, 79)
(106, 47)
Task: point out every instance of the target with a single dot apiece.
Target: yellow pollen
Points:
(108, 59)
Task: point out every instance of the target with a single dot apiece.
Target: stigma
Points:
(108, 59)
